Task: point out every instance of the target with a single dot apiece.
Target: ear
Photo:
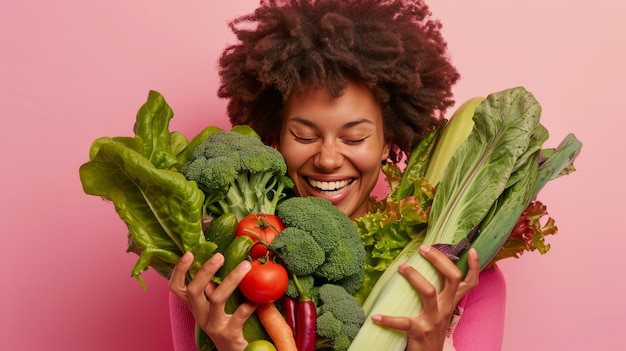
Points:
(385, 154)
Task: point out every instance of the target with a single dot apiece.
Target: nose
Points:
(329, 157)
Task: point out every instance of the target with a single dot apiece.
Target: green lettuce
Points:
(140, 176)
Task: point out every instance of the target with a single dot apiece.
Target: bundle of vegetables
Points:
(227, 192)
(470, 183)
(322, 250)
(283, 236)
(168, 214)
(309, 267)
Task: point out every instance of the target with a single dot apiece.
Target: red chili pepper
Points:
(306, 320)
(306, 335)
(289, 308)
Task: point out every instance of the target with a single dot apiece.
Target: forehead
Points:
(355, 100)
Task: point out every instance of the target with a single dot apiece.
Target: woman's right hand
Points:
(428, 330)
(207, 300)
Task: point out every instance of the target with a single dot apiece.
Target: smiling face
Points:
(334, 146)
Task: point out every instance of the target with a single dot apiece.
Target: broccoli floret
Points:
(340, 263)
(353, 283)
(341, 343)
(238, 174)
(328, 326)
(334, 233)
(336, 300)
(339, 317)
(351, 330)
(306, 282)
(298, 251)
(316, 216)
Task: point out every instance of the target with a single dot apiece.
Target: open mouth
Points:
(330, 188)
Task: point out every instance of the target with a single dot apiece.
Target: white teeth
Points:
(329, 186)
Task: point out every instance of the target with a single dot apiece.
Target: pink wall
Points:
(72, 71)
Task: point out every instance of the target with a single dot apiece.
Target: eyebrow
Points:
(348, 125)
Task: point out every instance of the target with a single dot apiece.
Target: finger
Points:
(242, 313)
(176, 283)
(203, 277)
(451, 273)
(471, 278)
(426, 291)
(398, 323)
(230, 283)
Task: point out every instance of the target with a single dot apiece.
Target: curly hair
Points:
(393, 47)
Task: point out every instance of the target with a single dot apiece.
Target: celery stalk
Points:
(454, 134)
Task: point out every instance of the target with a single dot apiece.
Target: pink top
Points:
(480, 327)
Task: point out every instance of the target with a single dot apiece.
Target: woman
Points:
(339, 87)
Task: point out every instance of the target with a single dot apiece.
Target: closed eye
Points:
(302, 139)
(356, 140)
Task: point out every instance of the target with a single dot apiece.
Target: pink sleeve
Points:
(481, 326)
(183, 325)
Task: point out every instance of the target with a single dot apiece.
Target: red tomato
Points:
(265, 282)
(259, 250)
(261, 228)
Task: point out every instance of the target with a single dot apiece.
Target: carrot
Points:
(276, 327)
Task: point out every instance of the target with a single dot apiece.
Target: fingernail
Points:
(424, 248)
(187, 256)
(217, 258)
(377, 318)
(245, 265)
(402, 266)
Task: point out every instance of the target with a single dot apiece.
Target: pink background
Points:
(72, 71)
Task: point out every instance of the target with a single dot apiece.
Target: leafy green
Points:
(386, 230)
(486, 186)
(480, 168)
(139, 175)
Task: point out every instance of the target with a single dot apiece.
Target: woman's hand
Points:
(207, 300)
(427, 331)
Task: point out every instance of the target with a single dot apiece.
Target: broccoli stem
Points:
(252, 193)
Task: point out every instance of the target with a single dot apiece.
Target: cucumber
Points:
(222, 231)
(237, 251)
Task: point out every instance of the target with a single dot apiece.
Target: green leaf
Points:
(184, 155)
(479, 170)
(417, 163)
(539, 136)
(494, 230)
(152, 126)
(161, 209)
(559, 161)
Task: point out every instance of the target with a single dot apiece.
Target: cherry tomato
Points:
(260, 345)
(262, 228)
(265, 282)
(259, 250)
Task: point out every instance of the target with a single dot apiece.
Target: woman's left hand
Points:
(427, 330)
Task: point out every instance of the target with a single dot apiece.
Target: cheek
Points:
(294, 157)
(370, 170)
(368, 166)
